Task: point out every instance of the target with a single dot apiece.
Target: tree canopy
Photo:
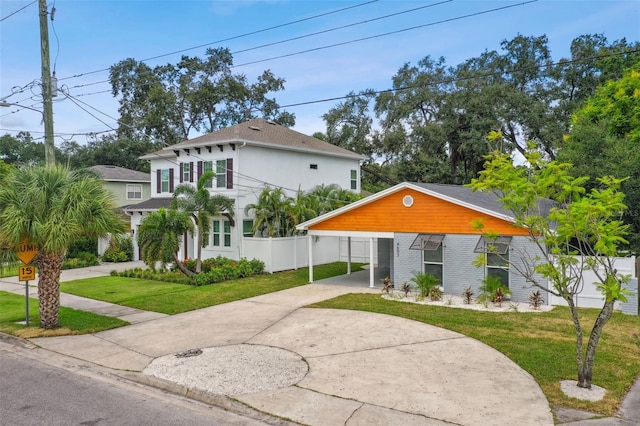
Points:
(168, 102)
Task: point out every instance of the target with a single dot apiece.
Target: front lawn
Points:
(72, 321)
(170, 298)
(541, 343)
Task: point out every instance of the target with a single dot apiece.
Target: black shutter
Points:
(181, 171)
(191, 171)
(229, 173)
(171, 180)
(199, 170)
(158, 181)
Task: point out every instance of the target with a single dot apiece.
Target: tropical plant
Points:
(272, 214)
(159, 237)
(425, 283)
(492, 290)
(535, 299)
(467, 295)
(49, 207)
(202, 206)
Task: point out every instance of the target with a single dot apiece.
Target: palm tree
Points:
(272, 212)
(51, 206)
(199, 202)
(159, 237)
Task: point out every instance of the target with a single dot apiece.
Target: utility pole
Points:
(47, 97)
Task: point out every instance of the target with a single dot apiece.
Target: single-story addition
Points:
(424, 227)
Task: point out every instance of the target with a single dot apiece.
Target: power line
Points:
(350, 41)
(234, 37)
(22, 8)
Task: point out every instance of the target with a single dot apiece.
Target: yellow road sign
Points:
(27, 251)
(27, 273)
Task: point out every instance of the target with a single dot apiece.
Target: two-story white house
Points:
(246, 158)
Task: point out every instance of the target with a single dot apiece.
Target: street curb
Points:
(16, 341)
(220, 401)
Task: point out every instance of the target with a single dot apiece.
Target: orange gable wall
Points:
(427, 215)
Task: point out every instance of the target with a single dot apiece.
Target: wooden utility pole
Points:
(47, 96)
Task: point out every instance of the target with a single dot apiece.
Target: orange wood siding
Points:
(427, 215)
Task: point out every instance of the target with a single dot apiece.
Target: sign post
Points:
(26, 253)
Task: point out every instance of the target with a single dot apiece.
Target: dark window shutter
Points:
(158, 181)
(171, 180)
(181, 171)
(229, 173)
(199, 170)
(191, 171)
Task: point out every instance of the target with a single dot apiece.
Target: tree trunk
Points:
(592, 345)
(49, 267)
(182, 268)
(579, 360)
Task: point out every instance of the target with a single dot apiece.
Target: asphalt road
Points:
(35, 393)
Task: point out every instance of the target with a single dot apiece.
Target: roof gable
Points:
(407, 207)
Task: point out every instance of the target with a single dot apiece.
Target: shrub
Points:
(83, 245)
(467, 295)
(492, 290)
(435, 293)
(120, 249)
(82, 261)
(425, 283)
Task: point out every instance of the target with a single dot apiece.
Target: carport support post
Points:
(310, 251)
(371, 265)
(348, 255)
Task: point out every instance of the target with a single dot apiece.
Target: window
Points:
(221, 174)
(219, 237)
(216, 233)
(433, 262)
(227, 233)
(164, 180)
(247, 228)
(207, 166)
(431, 246)
(134, 192)
(497, 257)
(186, 172)
(354, 179)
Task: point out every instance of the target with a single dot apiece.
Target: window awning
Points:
(427, 242)
(499, 245)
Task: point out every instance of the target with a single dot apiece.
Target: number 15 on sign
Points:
(27, 273)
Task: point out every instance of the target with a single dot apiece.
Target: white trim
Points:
(363, 234)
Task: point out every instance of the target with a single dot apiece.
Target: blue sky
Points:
(92, 35)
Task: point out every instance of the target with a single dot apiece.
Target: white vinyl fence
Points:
(281, 254)
(591, 297)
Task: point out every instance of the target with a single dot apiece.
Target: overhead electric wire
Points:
(234, 37)
(22, 8)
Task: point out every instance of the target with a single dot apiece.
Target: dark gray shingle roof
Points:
(262, 132)
(115, 173)
(152, 204)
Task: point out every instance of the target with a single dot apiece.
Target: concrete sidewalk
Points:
(364, 368)
(131, 315)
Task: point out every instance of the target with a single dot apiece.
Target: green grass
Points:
(169, 298)
(72, 321)
(541, 343)
(9, 270)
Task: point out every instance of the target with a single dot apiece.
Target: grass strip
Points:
(72, 321)
(170, 298)
(542, 343)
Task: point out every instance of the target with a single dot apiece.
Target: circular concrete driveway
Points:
(367, 368)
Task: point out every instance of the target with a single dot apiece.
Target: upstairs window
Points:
(221, 174)
(134, 192)
(207, 166)
(354, 179)
(164, 180)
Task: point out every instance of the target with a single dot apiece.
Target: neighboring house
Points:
(428, 228)
(128, 186)
(246, 158)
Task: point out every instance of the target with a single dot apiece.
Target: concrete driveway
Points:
(363, 368)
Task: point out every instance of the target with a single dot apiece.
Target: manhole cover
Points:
(231, 370)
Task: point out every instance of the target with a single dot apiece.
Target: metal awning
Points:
(427, 242)
(499, 245)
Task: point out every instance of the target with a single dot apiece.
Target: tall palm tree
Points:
(159, 237)
(199, 202)
(51, 206)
